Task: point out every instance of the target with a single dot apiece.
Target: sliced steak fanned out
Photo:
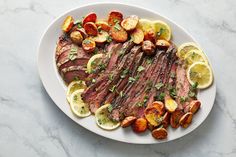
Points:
(90, 92)
(122, 105)
(73, 73)
(110, 86)
(128, 78)
(183, 88)
(103, 78)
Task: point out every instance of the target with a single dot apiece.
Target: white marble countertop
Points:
(31, 125)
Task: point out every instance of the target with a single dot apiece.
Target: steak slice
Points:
(63, 44)
(183, 88)
(110, 86)
(73, 73)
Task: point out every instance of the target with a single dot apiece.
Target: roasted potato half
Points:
(101, 37)
(76, 37)
(148, 47)
(160, 133)
(162, 44)
(186, 119)
(91, 29)
(88, 45)
(175, 118)
(194, 106)
(170, 104)
(166, 120)
(67, 24)
(153, 116)
(103, 26)
(150, 35)
(137, 36)
(91, 17)
(128, 121)
(118, 33)
(130, 22)
(140, 125)
(159, 106)
(115, 17)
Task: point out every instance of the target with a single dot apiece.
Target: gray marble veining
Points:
(32, 125)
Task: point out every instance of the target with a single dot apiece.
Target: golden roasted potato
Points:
(153, 116)
(68, 24)
(159, 106)
(150, 35)
(130, 22)
(148, 47)
(91, 17)
(159, 133)
(170, 104)
(186, 119)
(118, 33)
(140, 125)
(162, 44)
(115, 17)
(137, 36)
(194, 106)
(103, 25)
(90, 28)
(76, 37)
(88, 45)
(166, 120)
(128, 121)
(175, 117)
(101, 37)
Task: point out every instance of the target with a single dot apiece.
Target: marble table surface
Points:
(31, 125)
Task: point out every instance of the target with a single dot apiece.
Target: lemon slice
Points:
(73, 86)
(102, 119)
(186, 47)
(162, 30)
(193, 56)
(201, 73)
(93, 62)
(78, 107)
(145, 25)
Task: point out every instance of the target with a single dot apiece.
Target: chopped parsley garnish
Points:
(194, 86)
(102, 66)
(109, 39)
(86, 41)
(131, 79)
(110, 77)
(124, 73)
(183, 99)
(117, 27)
(121, 94)
(116, 21)
(172, 92)
(172, 75)
(191, 94)
(73, 53)
(145, 99)
(140, 68)
(160, 97)
(99, 28)
(149, 86)
(159, 85)
(110, 108)
(149, 60)
(75, 98)
(78, 23)
(113, 88)
(93, 80)
(75, 78)
(160, 32)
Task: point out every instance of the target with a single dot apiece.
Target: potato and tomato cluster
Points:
(92, 32)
